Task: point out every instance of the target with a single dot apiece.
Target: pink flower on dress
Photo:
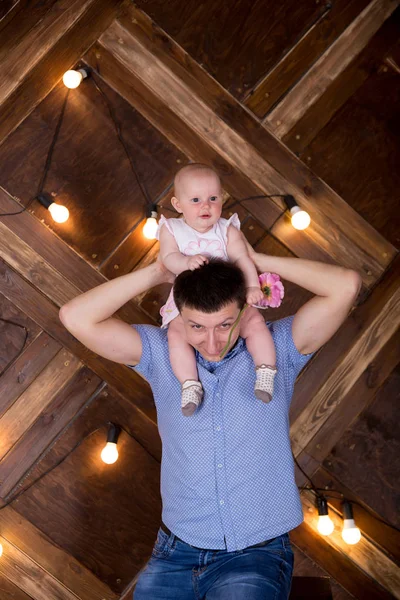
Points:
(273, 290)
(208, 247)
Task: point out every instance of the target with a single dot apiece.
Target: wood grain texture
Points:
(342, 89)
(45, 313)
(286, 73)
(105, 516)
(329, 66)
(24, 412)
(365, 554)
(373, 337)
(56, 34)
(63, 408)
(61, 566)
(226, 128)
(337, 564)
(9, 591)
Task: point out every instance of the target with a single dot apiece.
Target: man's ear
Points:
(176, 205)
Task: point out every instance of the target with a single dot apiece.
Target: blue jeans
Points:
(178, 571)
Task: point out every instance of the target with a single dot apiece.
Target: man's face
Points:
(208, 333)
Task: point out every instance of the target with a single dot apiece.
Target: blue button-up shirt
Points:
(227, 472)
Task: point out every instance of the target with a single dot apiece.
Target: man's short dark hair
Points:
(211, 287)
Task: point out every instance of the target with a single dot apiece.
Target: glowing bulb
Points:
(109, 454)
(151, 226)
(351, 534)
(325, 525)
(72, 78)
(300, 218)
(1, 549)
(59, 213)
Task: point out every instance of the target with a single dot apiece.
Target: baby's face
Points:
(199, 199)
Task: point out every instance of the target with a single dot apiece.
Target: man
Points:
(227, 475)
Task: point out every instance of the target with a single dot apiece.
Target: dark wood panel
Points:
(344, 85)
(338, 565)
(90, 172)
(12, 336)
(56, 42)
(334, 19)
(305, 567)
(366, 457)
(105, 516)
(358, 152)
(56, 416)
(45, 313)
(366, 519)
(236, 42)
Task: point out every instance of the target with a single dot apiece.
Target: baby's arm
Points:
(175, 261)
(238, 253)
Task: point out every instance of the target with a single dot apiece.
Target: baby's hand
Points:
(196, 261)
(254, 295)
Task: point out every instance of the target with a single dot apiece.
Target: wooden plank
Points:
(26, 368)
(365, 554)
(360, 351)
(217, 121)
(45, 313)
(54, 42)
(339, 565)
(57, 563)
(329, 66)
(9, 591)
(24, 412)
(63, 407)
(344, 87)
(301, 57)
(38, 244)
(359, 397)
(366, 518)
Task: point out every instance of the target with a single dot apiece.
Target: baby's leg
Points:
(183, 363)
(260, 344)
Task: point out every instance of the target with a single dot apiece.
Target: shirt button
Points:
(220, 465)
(218, 428)
(221, 502)
(218, 395)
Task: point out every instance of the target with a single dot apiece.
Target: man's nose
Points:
(212, 346)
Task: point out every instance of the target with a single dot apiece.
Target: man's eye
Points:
(195, 200)
(197, 327)
(225, 325)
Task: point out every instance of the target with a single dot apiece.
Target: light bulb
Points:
(1, 549)
(325, 525)
(151, 226)
(59, 213)
(300, 218)
(351, 534)
(72, 78)
(109, 454)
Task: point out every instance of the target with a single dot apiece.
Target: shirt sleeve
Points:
(145, 365)
(282, 333)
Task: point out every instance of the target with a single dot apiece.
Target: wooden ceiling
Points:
(281, 97)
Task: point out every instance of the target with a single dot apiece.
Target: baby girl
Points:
(187, 243)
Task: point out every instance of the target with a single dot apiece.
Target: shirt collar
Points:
(211, 366)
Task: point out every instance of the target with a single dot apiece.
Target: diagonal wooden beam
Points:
(40, 46)
(158, 78)
(333, 62)
(380, 318)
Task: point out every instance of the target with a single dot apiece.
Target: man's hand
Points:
(253, 295)
(196, 261)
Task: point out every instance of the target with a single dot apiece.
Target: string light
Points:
(350, 533)
(300, 218)
(325, 524)
(59, 212)
(151, 225)
(109, 454)
(72, 79)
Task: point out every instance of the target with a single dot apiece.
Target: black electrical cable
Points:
(22, 347)
(48, 160)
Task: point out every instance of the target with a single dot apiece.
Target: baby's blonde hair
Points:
(190, 169)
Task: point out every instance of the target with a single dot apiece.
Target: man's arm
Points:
(336, 290)
(89, 316)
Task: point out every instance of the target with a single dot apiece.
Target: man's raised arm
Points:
(89, 316)
(336, 290)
